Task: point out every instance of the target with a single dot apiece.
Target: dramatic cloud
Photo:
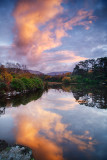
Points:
(40, 26)
(39, 33)
(30, 16)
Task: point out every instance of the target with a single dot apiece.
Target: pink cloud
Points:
(39, 27)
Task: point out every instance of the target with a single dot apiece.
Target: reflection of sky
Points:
(6, 127)
(57, 127)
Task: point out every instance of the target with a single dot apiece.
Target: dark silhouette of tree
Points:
(92, 69)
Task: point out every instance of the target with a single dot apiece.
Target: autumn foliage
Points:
(19, 80)
(66, 80)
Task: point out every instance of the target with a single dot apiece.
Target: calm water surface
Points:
(60, 124)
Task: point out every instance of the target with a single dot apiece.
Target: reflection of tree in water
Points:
(88, 95)
(26, 98)
(92, 97)
(20, 99)
(2, 111)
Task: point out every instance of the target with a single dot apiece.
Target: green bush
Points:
(17, 85)
(27, 83)
(32, 83)
(3, 86)
(38, 83)
(73, 79)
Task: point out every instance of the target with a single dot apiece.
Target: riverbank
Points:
(19, 81)
(14, 152)
(61, 83)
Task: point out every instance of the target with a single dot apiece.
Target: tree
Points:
(66, 80)
(5, 76)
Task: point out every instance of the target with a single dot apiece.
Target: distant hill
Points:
(50, 74)
(18, 70)
(36, 72)
(57, 73)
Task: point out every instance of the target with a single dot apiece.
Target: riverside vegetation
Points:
(16, 79)
(90, 71)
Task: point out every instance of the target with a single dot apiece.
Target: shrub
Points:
(26, 82)
(66, 80)
(17, 85)
(73, 79)
(32, 83)
(38, 83)
(3, 87)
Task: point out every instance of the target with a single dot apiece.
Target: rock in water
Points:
(16, 152)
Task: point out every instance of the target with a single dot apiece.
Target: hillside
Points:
(57, 73)
(36, 72)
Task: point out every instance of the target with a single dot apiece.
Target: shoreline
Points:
(14, 93)
(61, 83)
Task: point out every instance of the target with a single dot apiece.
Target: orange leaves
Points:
(66, 80)
(5, 76)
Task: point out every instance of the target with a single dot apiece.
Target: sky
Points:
(52, 35)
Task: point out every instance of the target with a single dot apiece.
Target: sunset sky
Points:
(52, 35)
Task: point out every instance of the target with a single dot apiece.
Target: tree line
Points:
(17, 77)
(89, 71)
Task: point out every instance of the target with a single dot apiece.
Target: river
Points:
(62, 123)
